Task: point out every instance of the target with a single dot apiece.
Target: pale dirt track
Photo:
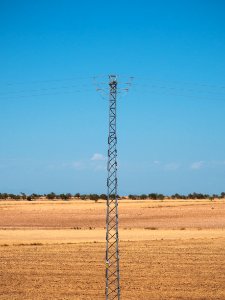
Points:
(169, 250)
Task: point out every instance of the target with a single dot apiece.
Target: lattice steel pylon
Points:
(112, 290)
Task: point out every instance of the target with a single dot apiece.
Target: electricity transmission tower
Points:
(112, 239)
(112, 290)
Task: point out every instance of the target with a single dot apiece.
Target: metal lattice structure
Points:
(112, 238)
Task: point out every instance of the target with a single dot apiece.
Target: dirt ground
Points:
(168, 250)
(190, 269)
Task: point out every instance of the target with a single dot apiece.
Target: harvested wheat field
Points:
(164, 214)
(168, 250)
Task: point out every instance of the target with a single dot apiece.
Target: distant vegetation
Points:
(96, 197)
(52, 196)
(155, 196)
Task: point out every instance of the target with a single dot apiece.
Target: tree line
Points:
(96, 197)
(52, 196)
(156, 196)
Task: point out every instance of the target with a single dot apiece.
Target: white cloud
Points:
(197, 165)
(216, 163)
(96, 163)
(78, 165)
(100, 168)
(98, 157)
(172, 166)
(156, 162)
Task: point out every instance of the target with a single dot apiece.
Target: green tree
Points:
(23, 195)
(160, 197)
(103, 196)
(51, 196)
(132, 197)
(63, 197)
(4, 196)
(143, 196)
(222, 195)
(94, 197)
(152, 196)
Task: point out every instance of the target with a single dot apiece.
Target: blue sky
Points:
(53, 123)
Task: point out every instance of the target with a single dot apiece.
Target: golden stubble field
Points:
(168, 249)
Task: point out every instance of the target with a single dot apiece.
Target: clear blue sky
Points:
(53, 123)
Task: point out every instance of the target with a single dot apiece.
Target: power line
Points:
(74, 78)
(142, 85)
(179, 82)
(44, 94)
(178, 93)
(81, 88)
